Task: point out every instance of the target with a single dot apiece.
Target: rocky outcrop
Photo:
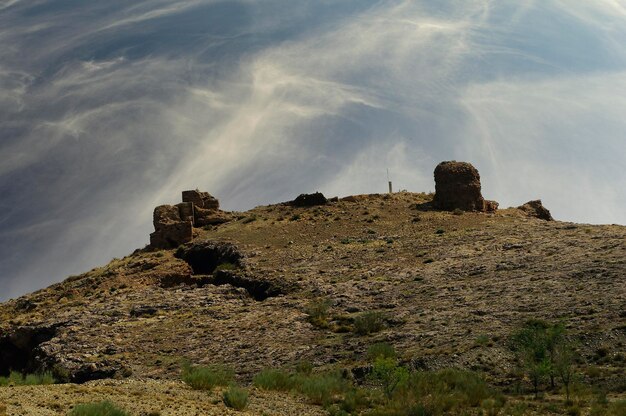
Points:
(204, 217)
(20, 348)
(205, 257)
(173, 224)
(309, 200)
(537, 210)
(457, 186)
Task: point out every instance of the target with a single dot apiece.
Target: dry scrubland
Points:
(322, 285)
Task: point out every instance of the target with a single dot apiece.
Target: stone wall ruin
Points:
(173, 224)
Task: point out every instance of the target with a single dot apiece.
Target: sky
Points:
(109, 108)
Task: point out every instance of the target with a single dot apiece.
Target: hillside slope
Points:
(447, 287)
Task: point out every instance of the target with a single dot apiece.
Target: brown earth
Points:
(452, 287)
(141, 397)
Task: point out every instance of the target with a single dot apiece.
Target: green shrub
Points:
(381, 350)
(573, 411)
(389, 374)
(37, 379)
(249, 219)
(304, 367)
(319, 388)
(369, 322)
(617, 408)
(317, 312)
(354, 400)
(16, 378)
(235, 397)
(105, 408)
(322, 387)
(335, 410)
(272, 379)
(515, 409)
(481, 340)
(205, 378)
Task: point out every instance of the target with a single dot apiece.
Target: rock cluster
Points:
(457, 186)
(173, 224)
(537, 210)
(309, 200)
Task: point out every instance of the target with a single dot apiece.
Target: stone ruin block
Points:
(201, 199)
(170, 230)
(185, 211)
(457, 186)
(164, 214)
(173, 224)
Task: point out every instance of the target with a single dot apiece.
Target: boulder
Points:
(20, 348)
(537, 210)
(457, 186)
(309, 200)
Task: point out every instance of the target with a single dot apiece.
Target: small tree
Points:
(544, 350)
(555, 339)
(563, 364)
(531, 346)
(389, 374)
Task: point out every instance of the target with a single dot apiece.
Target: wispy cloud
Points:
(110, 108)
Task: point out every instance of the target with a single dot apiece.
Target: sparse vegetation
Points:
(206, 377)
(105, 408)
(442, 304)
(391, 389)
(438, 393)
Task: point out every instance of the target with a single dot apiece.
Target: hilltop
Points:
(445, 288)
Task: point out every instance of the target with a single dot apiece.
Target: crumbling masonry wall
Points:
(173, 224)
